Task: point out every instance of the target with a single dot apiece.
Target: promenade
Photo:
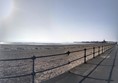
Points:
(102, 69)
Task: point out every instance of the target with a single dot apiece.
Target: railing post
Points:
(85, 55)
(102, 49)
(33, 69)
(68, 52)
(99, 50)
(93, 52)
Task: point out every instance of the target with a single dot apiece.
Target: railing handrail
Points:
(48, 55)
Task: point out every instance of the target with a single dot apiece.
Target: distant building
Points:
(103, 41)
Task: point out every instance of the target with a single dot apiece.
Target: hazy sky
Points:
(58, 20)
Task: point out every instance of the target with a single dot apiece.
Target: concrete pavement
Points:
(102, 69)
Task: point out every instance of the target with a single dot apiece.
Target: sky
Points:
(58, 20)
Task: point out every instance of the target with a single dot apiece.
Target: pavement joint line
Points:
(85, 73)
(100, 65)
(95, 67)
(92, 77)
(110, 75)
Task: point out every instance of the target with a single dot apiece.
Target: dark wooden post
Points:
(85, 55)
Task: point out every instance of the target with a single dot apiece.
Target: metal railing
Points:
(101, 49)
